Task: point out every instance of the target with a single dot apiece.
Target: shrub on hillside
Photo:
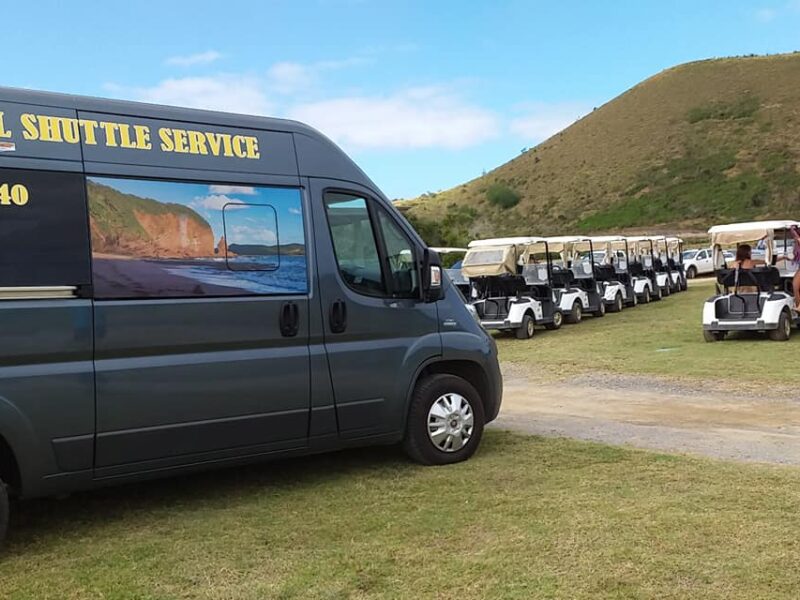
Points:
(502, 196)
(740, 108)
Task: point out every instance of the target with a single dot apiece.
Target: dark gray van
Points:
(182, 289)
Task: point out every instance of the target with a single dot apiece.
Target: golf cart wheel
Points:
(526, 330)
(618, 304)
(646, 296)
(657, 295)
(684, 285)
(714, 336)
(576, 314)
(784, 329)
(4, 511)
(691, 272)
(445, 421)
(667, 290)
(601, 309)
(558, 321)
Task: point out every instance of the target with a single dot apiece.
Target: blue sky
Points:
(276, 214)
(423, 94)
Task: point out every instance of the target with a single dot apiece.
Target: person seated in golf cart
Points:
(753, 294)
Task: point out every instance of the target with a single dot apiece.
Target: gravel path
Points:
(655, 413)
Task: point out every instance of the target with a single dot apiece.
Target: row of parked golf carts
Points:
(517, 284)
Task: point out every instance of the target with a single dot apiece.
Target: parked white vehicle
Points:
(611, 262)
(499, 292)
(641, 268)
(674, 263)
(698, 262)
(573, 277)
(751, 299)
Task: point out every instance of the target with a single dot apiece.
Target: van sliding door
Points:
(201, 320)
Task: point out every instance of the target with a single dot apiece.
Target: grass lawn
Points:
(661, 338)
(527, 517)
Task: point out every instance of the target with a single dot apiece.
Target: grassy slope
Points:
(662, 338)
(700, 143)
(526, 518)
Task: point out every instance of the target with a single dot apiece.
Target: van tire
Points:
(784, 329)
(691, 272)
(526, 329)
(576, 314)
(417, 444)
(4, 511)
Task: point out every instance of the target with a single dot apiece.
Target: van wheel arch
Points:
(9, 468)
(468, 370)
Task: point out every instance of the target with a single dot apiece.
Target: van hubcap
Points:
(450, 422)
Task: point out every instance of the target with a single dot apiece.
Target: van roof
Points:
(313, 155)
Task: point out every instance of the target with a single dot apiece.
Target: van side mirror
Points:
(431, 276)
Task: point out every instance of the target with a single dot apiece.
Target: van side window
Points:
(354, 243)
(400, 258)
(169, 239)
(44, 236)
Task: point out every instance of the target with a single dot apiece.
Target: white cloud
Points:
(425, 117)
(201, 58)
(217, 202)
(291, 77)
(765, 15)
(244, 234)
(295, 211)
(542, 120)
(241, 190)
(232, 93)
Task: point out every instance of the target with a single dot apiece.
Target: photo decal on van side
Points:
(162, 239)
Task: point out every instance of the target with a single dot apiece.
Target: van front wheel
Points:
(445, 421)
(4, 511)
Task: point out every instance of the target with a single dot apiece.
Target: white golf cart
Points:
(573, 278)
(751, 299)
(674, 263)
(454, 270)
(643, 275)
(499, 292)
(611, 256)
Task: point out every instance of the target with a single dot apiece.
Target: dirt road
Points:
(655, 413)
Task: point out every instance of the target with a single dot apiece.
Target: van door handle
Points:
(338, 316)
(289, 320)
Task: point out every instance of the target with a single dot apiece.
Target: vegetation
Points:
(526, 518)
(502, 196)
(697, 144)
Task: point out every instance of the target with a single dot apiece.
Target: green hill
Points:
(702, 143)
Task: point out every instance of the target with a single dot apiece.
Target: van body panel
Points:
(181, 377)
(46, 384)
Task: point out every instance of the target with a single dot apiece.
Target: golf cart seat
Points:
(658, 265)
(636, 269)
(562, 278)
(604, 272)
(765, 279)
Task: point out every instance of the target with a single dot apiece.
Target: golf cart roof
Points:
(447, 250)
(497, 256)
(639, 238)
(509, 241)
(734, 233)
(567, 239)
(674, 238)
(604, 239)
